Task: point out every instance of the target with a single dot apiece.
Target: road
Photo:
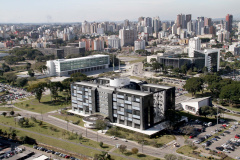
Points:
(156, 152)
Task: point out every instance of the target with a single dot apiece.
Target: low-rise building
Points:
(64, 67)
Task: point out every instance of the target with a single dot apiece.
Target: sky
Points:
(52, 11)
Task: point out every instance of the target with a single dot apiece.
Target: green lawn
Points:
(39, 80)
(136, 156)
(8, 109)
(58, 132)
(72, 118)
(43, 107)
(130, 135)
(185, 150)
(233, 108)
(56, 143)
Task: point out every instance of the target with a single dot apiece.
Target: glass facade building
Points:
(62, 67)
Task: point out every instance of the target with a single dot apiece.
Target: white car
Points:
(125, 140)
(226, 151)
(113, 137)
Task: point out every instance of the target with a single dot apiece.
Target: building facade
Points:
(139, 44)
(64, 67)
(114, 42)
(194, 44)
(137, 108)
(127, 36)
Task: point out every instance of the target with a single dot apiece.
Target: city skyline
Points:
(53, 11)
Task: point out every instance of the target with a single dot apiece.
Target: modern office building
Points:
(194, 44)
(211, 59)
(64, 67)
(139, 44)
(140, 108)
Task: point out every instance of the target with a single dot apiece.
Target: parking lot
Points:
(223, 141)
(12, 93)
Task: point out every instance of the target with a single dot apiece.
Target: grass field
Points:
(70, 118)
(56, 143)
(185, 150)
(48, 129)
(156, 142)
(38, 80)
(43, 107)
(136, 156)
(8, 109)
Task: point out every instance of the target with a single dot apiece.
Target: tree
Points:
(10, 77)
(101, 124)
(193, 85)
(31, 73)
(54, 88)
(170, 157)
(28, 66)
(4, 114)
(38, 89)
(207, 110)
(134, 150)
(231, 93)
(156, 65)
(228, 54)
(101, 144)
(184, 69)
(122, 148)
(5, 67)
(12, 113)
(21, 82)
(102, 156)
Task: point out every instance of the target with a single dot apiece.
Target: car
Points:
(57, 153)
(222, 134)
(228, 132)
(237, 136)
(220, 148)
(237, 158)
(226, 151)
(35, 147)
(190, 137)
(207, 148)
(217, 137)
(67, 157)
(125, 140)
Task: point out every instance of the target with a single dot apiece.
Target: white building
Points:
(114, 42)
(127, 36)
(194, 105)
(64, 67)
(100, 30)
(82, 44)
(139, 44)
(194, 44)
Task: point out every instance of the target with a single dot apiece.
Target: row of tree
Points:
(56, 87)
(225, 89)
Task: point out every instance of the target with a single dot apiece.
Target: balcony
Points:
(79, 92)
(74, 101)
(137, 100)
(114, 115)
(136, 108)
(121, 113)
(114, 99)
(136, 116)
(120, 96)
(85, 104)
(129, 119)
(80, 106)
(128, 102)
(80, 99)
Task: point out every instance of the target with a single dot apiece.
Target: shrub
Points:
(134, 150)
(101, 144)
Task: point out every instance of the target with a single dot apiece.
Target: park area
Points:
(46, 105)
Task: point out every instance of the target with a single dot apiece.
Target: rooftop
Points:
(87, 57)
(157, 86)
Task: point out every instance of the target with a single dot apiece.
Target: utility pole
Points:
(97, 136)
(86, 131)
(113, 62)
(42, 115)
(142, 146)
(217, 117)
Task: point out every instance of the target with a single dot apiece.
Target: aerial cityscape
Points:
(120, 80)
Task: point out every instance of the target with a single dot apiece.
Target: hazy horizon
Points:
(71, 11)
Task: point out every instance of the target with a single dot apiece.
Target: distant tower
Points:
(229, 20)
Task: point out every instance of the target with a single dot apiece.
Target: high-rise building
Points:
(114, 42)
(194, 44)
(156, 24)
(139, 44)
(189, 26)
(188, 18)
(127, 36)
(239, 27)
(179, 20)
(98, 44)
(148, 22)
(207, 21)
(229, 19)
(164, 26)
(126, 23)
(174, 29)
